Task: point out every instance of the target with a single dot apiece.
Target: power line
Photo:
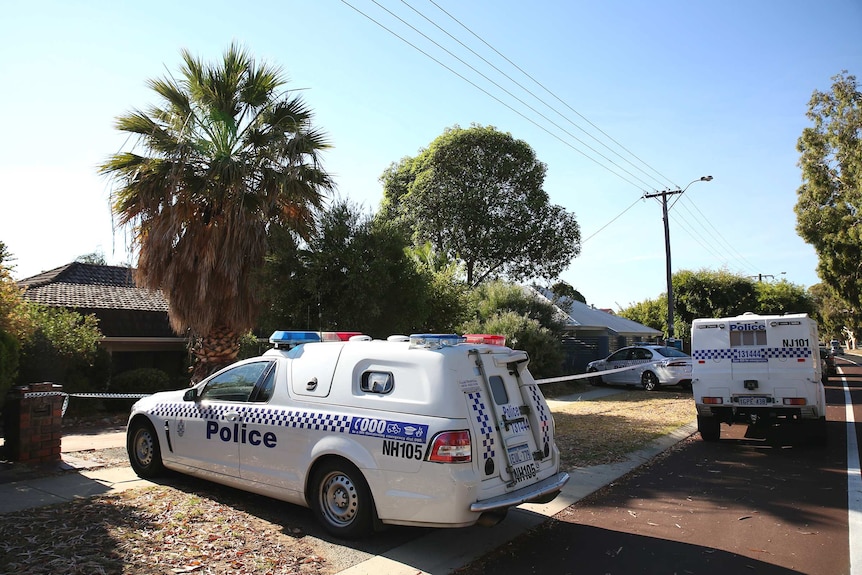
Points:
(552, 94)
(726, 243)
(692, 233)
(610, 222)
(530, 92)
(488, 93)
(507, 92)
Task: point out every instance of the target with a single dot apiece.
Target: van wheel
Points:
(142, 445)
(709, 428)
(649, 381)
(342, 501)
(597, 380)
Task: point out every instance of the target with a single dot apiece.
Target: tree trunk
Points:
(214, 351)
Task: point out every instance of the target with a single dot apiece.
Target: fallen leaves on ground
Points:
(157, 530)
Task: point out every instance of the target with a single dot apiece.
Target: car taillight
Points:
(794, 401)
(713, 400)
(451, 447)
(676, 363)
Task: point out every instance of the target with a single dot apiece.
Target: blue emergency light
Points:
(288, 339)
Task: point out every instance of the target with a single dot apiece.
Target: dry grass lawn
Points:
(605, 430)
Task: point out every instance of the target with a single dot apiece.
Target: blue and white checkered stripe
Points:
(486, 430)
(768, 352)
(294, 418)
(543, 414)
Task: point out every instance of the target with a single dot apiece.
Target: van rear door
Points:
(518, 419)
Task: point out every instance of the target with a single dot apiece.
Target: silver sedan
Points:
(646, 365)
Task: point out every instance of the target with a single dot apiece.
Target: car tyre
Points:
(649, 381)
(709, 428)
(595, 380)
(142, 445)
(342, 501)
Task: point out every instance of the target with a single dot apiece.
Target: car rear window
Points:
(672, 352)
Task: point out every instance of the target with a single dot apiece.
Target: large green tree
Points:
(829, 203)
(831, 312)
(227, 153)
(354, 274)
(476, 195)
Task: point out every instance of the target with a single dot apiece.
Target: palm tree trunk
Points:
(214, 351)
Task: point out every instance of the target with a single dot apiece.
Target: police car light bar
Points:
(289, 339)
(487, 338)
(434, 340)
(338, 335)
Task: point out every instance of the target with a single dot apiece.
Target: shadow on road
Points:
(560, 547)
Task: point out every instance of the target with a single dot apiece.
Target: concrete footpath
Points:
(439, 551)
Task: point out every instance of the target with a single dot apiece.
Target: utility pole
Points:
(664, 209)
(664, 196)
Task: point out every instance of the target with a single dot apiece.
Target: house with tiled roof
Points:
(133, 321)
(593, 333)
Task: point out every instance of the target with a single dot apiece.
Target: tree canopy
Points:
(476, 196)
(228, 153)
(709, 293)
(829, 201)
(354, 274)
(529, 322)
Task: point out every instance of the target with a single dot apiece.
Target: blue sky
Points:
(687, 88)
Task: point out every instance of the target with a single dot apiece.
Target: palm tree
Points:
(227, 154)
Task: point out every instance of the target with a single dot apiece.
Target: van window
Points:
(498, 390)
(746, 338)
(377, 382)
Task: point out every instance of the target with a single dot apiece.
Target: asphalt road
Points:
(776, 504)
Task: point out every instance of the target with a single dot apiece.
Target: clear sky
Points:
(634, 97)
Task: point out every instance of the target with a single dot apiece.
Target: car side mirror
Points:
(191, 394)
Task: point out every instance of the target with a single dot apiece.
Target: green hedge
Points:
(8, 363)
(141, 380)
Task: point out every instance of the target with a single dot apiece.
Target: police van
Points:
(757, 369)
(426, 430)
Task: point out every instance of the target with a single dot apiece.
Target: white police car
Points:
(430, 430)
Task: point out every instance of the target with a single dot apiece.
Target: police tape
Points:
(597, 373)
(66, 396)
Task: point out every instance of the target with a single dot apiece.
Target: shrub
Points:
(141, 380)
(8, 362)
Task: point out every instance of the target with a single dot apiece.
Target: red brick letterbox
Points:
(32, 422)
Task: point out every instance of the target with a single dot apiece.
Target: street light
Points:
(664, 196)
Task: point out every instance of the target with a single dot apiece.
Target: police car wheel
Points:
(649, 381)
(595, 380)
(342, 501)
(142, 444)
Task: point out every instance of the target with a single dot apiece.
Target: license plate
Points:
(752, 401)
(519, 454)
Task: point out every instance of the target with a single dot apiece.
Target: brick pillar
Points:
(33, 422)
